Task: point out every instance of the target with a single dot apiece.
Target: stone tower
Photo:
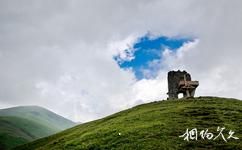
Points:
(180, 82)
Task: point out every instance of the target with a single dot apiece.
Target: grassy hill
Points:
(39, 115)
(155, 125)
(15, 131)
(19, 125)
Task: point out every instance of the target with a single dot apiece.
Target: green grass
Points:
(15, 131)
(19, 125)
(39, 115)
(153, 126)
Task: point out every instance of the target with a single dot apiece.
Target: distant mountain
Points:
(155, 125)
(39, 115)
(15, 131)
(22, 124)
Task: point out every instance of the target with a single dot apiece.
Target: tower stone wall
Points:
(180, 82)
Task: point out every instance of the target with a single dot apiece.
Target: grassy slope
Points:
(156, 125)
(15, 131)
(39, 115)
(19, 125)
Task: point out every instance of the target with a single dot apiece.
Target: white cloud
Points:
(175, 59)
(123, 48)
(58, 54)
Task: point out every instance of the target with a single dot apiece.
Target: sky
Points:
(88, 59)
(144, 56)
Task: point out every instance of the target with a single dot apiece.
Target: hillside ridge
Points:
(155, 125)
(22, 124)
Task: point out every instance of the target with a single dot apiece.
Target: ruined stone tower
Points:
(180, 82)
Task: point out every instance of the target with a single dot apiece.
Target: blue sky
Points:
(147, 54)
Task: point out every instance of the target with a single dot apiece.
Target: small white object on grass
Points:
(119, 134)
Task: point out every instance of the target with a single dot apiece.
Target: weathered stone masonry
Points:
(180, 82)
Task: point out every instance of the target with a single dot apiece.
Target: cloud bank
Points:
(59, 54)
